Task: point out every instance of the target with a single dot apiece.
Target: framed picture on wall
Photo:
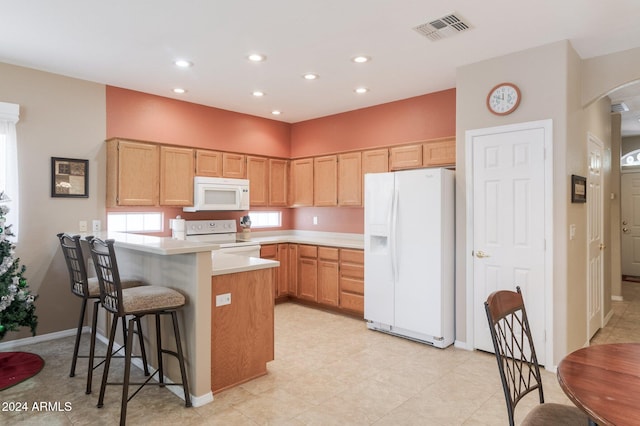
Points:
(578, 189)
(69, 177)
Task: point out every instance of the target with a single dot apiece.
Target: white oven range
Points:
(222, 231)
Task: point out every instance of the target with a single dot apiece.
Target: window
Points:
(265, 219)
(134, 222)
(9, 115)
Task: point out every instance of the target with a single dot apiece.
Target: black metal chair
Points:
(88, 289)
(137, 302)
(518, 364)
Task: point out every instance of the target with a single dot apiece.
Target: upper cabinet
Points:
(350, 179)
(132, 173)
(301, 182)
(439, 153)
(325, 180)
(208, 163)
(375, 161)
(258, 175)
(278, 174)
(233, 165)
(405, 157)
(176, 176)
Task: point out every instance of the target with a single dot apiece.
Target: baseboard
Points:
(196, 401)
(461, 345)
(41, 338)
(607, 318)
(617, 298)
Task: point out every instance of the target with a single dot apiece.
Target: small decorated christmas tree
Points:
(16, 301)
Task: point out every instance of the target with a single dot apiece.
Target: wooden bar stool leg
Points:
(78, 336)
(143, 352)
(127, 373)
(92, 347)
(183, 370)
(107, 361)
(159, 350)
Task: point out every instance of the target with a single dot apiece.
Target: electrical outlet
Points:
(315, 220)
(82, 226)
(223, 299)
(96, 226)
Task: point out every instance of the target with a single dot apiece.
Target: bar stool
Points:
(138, 302)
(89, 289)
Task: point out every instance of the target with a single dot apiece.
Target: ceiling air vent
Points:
(619, 107)
(442, 27)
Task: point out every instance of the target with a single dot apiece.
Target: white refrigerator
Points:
(409, 254)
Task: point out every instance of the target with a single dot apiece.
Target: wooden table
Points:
(604, 381)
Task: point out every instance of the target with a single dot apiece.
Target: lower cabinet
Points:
(328, 276)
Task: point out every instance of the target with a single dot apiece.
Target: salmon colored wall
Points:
(422, 117)
(137, 115)
(141, 116)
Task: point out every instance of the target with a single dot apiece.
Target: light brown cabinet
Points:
(325, 181)
(439, 153)
(405, 157)
(279, 252)
(328, 275)
(278, 174)
(258, 175)
(308, 272)
(352, 280)
(293, 268)
(302, 182)
(375, 161)
(208, 163)
(176, 176)
(350, 179)
(132, 173)
(233, 165)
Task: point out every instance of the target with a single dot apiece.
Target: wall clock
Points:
(503, 99)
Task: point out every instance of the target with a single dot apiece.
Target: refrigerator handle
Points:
(394, 228)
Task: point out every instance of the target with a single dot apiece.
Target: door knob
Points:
(602, 246)
(624, 222)
(625, 230)
(480, 254)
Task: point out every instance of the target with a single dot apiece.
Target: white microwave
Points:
(211, 193)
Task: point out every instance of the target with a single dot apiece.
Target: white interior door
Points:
(630, 236)
(509, 224)
(595, 240)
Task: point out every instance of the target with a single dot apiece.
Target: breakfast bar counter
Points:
(191, 269)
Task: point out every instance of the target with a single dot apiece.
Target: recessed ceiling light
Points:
(257, 57)
(257, 93)
(276, 112)
(360, 59)
(361, 90)
(310, 76)
(182, 63)
(179, 90)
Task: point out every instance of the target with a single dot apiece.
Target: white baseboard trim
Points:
(462, 345)
(617, 298)
(607, 318)
(41, 338)
(196, 401)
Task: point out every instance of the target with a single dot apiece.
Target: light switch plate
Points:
(82, 226)
(223, 299)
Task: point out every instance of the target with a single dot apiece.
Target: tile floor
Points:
(329, 370)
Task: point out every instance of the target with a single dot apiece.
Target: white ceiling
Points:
(132, 44)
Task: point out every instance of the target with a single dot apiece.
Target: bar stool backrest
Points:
(72, 251)
(104, 259)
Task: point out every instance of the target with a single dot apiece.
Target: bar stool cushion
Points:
(150, 298)
(555, 414)
(94, 286)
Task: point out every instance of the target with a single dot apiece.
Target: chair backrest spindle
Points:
(104, 259)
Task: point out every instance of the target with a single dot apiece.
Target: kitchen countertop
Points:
(331, 239)
(227, 263)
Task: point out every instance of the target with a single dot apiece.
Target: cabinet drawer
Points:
(352, 271)
(308, 251)
(328, 253)
(352, 285)
(352, 256)
(352, 302)
(268, 251)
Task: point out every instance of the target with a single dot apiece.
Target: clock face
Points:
(503, 99)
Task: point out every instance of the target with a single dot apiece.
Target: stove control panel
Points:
(203, 227)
